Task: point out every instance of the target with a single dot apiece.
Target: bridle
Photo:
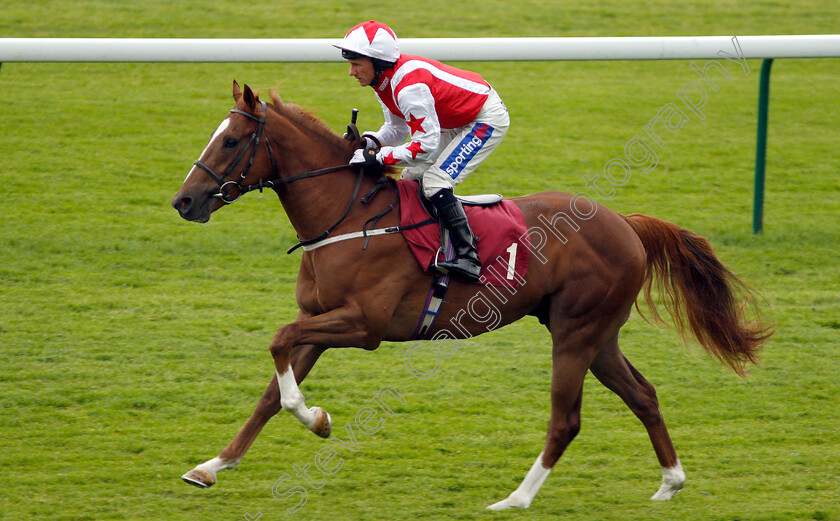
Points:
(254, 144)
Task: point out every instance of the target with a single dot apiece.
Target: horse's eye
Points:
(231, 142)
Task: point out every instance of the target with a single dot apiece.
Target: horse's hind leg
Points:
(570, 361)
(204, 475)
(613, 370)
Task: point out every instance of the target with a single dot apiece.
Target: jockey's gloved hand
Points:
(367, 141)
(366, 157)
(370, 141)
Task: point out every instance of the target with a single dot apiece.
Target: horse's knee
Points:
(279, 347)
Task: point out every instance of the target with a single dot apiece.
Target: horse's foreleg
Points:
(613, 370)
(315, 419)
(204, 475)
(342, 327)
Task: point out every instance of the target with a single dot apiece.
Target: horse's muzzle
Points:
(190, 210)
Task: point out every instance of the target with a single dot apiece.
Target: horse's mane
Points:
(305, 120)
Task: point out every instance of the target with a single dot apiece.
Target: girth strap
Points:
(434, 301)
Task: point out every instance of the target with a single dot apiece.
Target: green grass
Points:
(134, 344)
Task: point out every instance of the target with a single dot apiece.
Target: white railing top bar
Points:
(446, 49)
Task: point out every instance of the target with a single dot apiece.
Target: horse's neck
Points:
(314, 205)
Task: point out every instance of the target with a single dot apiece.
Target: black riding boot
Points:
(452, 217)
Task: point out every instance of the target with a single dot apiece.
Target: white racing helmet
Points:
(372, 39)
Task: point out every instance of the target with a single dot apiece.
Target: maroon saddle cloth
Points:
(503, 244)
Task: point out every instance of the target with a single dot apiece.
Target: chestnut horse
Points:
(588, 265)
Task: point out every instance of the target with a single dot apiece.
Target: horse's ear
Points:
(236, 92)
(275, 98)
(250, 98)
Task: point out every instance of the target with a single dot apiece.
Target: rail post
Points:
(761, 146)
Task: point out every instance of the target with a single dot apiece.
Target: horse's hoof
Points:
(511, 501)
(323, 423)
(673, 480)
(666, 492)
(200, 478)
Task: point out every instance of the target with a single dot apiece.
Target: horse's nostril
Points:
(183, 204)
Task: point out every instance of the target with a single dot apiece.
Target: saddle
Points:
(466, 200)
(498, 224)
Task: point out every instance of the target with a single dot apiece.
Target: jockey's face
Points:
(362, 70)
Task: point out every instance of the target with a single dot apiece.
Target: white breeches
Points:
(463, 149)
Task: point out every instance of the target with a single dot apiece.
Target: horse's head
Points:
(238, 154)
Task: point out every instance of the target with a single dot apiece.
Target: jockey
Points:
(451, 118)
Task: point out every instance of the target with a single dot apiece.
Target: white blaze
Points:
(216, 134)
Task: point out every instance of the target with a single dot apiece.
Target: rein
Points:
(254, 144)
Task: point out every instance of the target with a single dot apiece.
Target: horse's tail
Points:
(699, 292)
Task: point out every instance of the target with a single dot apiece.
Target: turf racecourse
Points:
(134, 344)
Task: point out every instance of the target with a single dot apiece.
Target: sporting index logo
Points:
(467, 149)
